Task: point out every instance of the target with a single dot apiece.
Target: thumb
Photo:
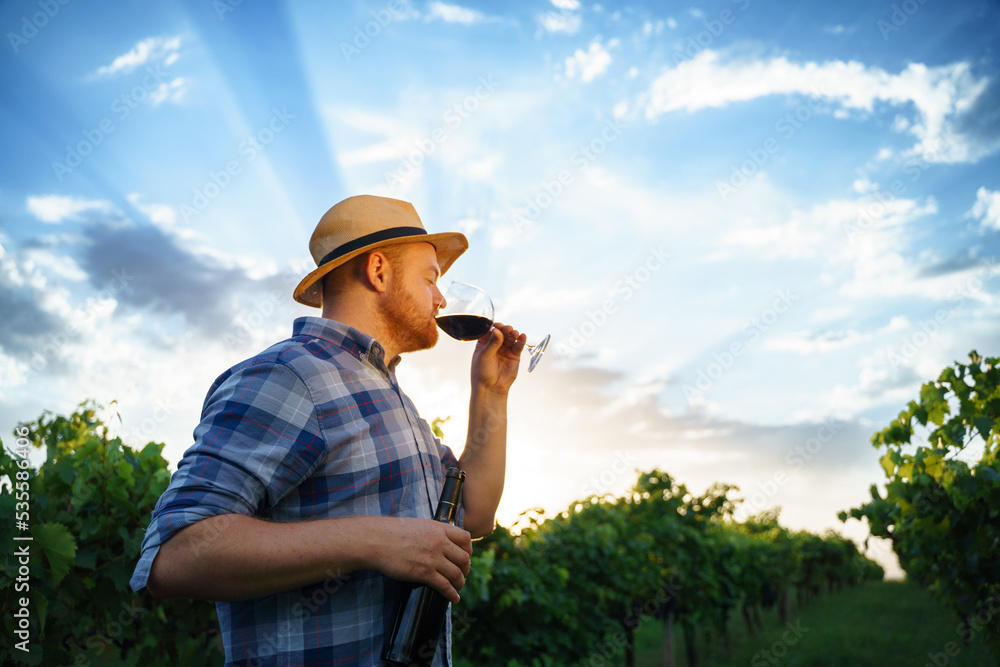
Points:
(495, 340)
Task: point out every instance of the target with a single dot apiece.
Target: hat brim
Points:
(449, 246)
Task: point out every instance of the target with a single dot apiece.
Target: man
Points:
(312, 479)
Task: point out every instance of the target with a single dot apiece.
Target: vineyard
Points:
(566, 590)
(941, 507)
(572, 589)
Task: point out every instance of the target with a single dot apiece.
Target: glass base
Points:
(536, 352)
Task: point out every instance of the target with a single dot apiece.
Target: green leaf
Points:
(888, 463)
(43, 612)
(933, 400)
(59, 547)
(984, 425)
(86, 559)
(933, 465)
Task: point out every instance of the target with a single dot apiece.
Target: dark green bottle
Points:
(420, 610)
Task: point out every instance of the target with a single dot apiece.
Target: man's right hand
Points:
(236, 557)
(424, 551)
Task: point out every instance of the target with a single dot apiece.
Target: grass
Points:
(881, 624)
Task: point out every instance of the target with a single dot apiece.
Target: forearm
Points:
(484, 460)
(233, 556)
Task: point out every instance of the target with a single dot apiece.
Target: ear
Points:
(378, 271)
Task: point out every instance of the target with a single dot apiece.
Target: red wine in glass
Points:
(465, 327)
(468, 315)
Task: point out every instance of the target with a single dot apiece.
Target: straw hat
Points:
(362, 223)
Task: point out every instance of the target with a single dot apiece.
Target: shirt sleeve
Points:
(448, 458)
(257, 440)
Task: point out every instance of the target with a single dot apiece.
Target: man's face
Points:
(413, 298)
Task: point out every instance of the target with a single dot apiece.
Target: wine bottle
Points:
(420, 610)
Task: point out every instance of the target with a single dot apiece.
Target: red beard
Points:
(412, 328)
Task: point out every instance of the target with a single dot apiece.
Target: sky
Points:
(752, 229)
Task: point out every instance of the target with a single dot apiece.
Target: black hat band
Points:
(368, 239)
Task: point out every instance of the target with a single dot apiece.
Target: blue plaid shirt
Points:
(313, 427)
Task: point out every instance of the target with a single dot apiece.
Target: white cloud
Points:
(938, 95)
(54, 208)
(13, 372)
(169, 92)
(838, 29)
(589, 64)
(863, 247)
(827, 229)
(151, 48)
(566, 4)
(556, 22)
(160, 214)
(468, 226)
(863, 185)
(650, 28)
(455, 14)
(987, 208)
(62, 266)
(483, 168)
(810, 342)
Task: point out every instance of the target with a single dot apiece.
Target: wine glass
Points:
(468, 315)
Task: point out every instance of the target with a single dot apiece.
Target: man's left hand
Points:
(496, 358)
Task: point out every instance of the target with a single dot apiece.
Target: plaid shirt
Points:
(313, 427)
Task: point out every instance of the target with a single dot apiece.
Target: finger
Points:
(489, 337)
(495, 340)
(519, 344)
(509, 332)
(461, 537)
(459, 557)
(513, 338)
(455, 576)
(443, 585)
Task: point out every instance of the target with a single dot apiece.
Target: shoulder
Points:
(301, 364)
(284, 365)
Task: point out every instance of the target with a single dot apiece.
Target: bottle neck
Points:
(447, 509)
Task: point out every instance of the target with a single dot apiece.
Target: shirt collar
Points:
(346, 337)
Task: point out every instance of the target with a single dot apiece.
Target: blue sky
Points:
(752, 229)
